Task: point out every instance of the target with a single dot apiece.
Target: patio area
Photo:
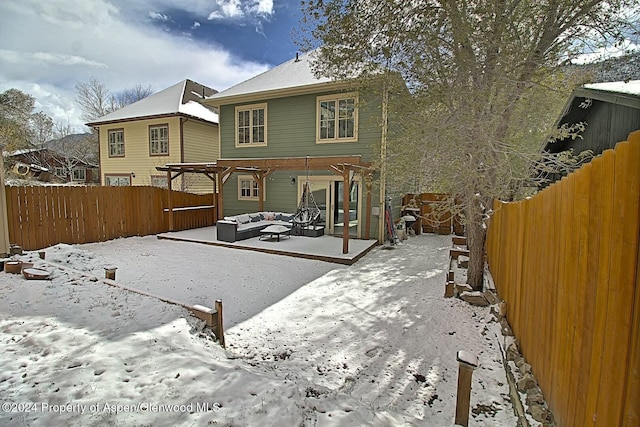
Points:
(323, 248)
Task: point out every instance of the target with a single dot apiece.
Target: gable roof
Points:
(179, 99)
(293, 76)
(577, 109)
(623, 93)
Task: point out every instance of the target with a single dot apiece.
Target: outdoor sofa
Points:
(245, 226)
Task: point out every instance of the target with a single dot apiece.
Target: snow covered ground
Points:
(308, 343)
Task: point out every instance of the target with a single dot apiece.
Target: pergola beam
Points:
(293, 163)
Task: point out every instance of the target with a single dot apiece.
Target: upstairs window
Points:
(159, 140)
(251, 125)
(116, 143)
(337, 118)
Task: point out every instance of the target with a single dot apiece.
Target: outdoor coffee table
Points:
(276, 231)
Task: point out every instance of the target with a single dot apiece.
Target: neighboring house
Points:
(285, 125)
(170, 126)
(50, 165)
(610, 112)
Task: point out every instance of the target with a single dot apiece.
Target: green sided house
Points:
(167, 127)
(286, 127)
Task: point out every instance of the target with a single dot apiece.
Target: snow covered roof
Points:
(22, 151)
(631, 87)
(177, 99)
(296, 73)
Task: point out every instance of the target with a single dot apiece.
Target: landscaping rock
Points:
(462, 287)
(491, 297)
(463, 261)
(535, 397)
(539, 413)
(475, 298)
(506, 329)
(512, 351)
(527, 382)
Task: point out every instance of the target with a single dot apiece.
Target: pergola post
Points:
(170, 201)
(346, 173)
(219, 195)
(368, 209)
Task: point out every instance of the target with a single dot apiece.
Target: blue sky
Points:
(48, 46)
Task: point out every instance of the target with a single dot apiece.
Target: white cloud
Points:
(195, 25)
(263, 7)
(238, 10)
(158, 16)
(227, 9)
(47, 47)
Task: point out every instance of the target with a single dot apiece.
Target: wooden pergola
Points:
(219, 172)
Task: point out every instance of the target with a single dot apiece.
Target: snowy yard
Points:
(308, 343)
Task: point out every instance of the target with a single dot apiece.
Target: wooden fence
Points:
(39, 217)
(435, 214)
(566, 262)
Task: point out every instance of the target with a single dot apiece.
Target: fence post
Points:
(4, 219)
(220, 327)
(467, 362)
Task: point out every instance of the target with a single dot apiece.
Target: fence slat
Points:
(632, 392)
(44, 216)
(571, 286)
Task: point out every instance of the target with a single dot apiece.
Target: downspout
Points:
(97, 130)
(383, 161)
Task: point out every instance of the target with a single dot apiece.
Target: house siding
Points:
(137, 158)
(607, 124)
(196, 142)
(201, 144)
(291, 130)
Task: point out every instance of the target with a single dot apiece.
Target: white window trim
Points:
(79, 169)
(159, 141)
(119, 176)
(109, 143)
(337, 97)
(247, 178)
(251, 107)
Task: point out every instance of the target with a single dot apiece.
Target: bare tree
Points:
(96, 100)
(131, 95)
(482, 74)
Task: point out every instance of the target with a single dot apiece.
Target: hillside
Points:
(624, 68)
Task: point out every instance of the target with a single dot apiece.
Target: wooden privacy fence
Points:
(39, 217)
(566, 262)
(434, 210)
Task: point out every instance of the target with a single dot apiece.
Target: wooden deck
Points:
(323, 248)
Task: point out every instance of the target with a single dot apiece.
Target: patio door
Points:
(338, 210)
(327, 193)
